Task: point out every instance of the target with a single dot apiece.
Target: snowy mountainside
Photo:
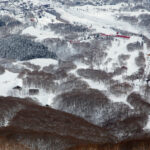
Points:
(87, 59)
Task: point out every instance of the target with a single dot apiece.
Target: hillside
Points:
(75, 73)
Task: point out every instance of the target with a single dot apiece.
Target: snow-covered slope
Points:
(96, 47)
(98, 19)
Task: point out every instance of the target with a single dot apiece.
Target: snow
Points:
(117, 6)
(119, 47)
(8, 80)
(132, 67)
(100, 85)
(46, 19)
(6, 122)
(101, 19)
(43, 62)
(45, 98)
(40, 33)
(96, 85)
(79, 65)
(147, 127)
(122, 99)
(85, 18)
